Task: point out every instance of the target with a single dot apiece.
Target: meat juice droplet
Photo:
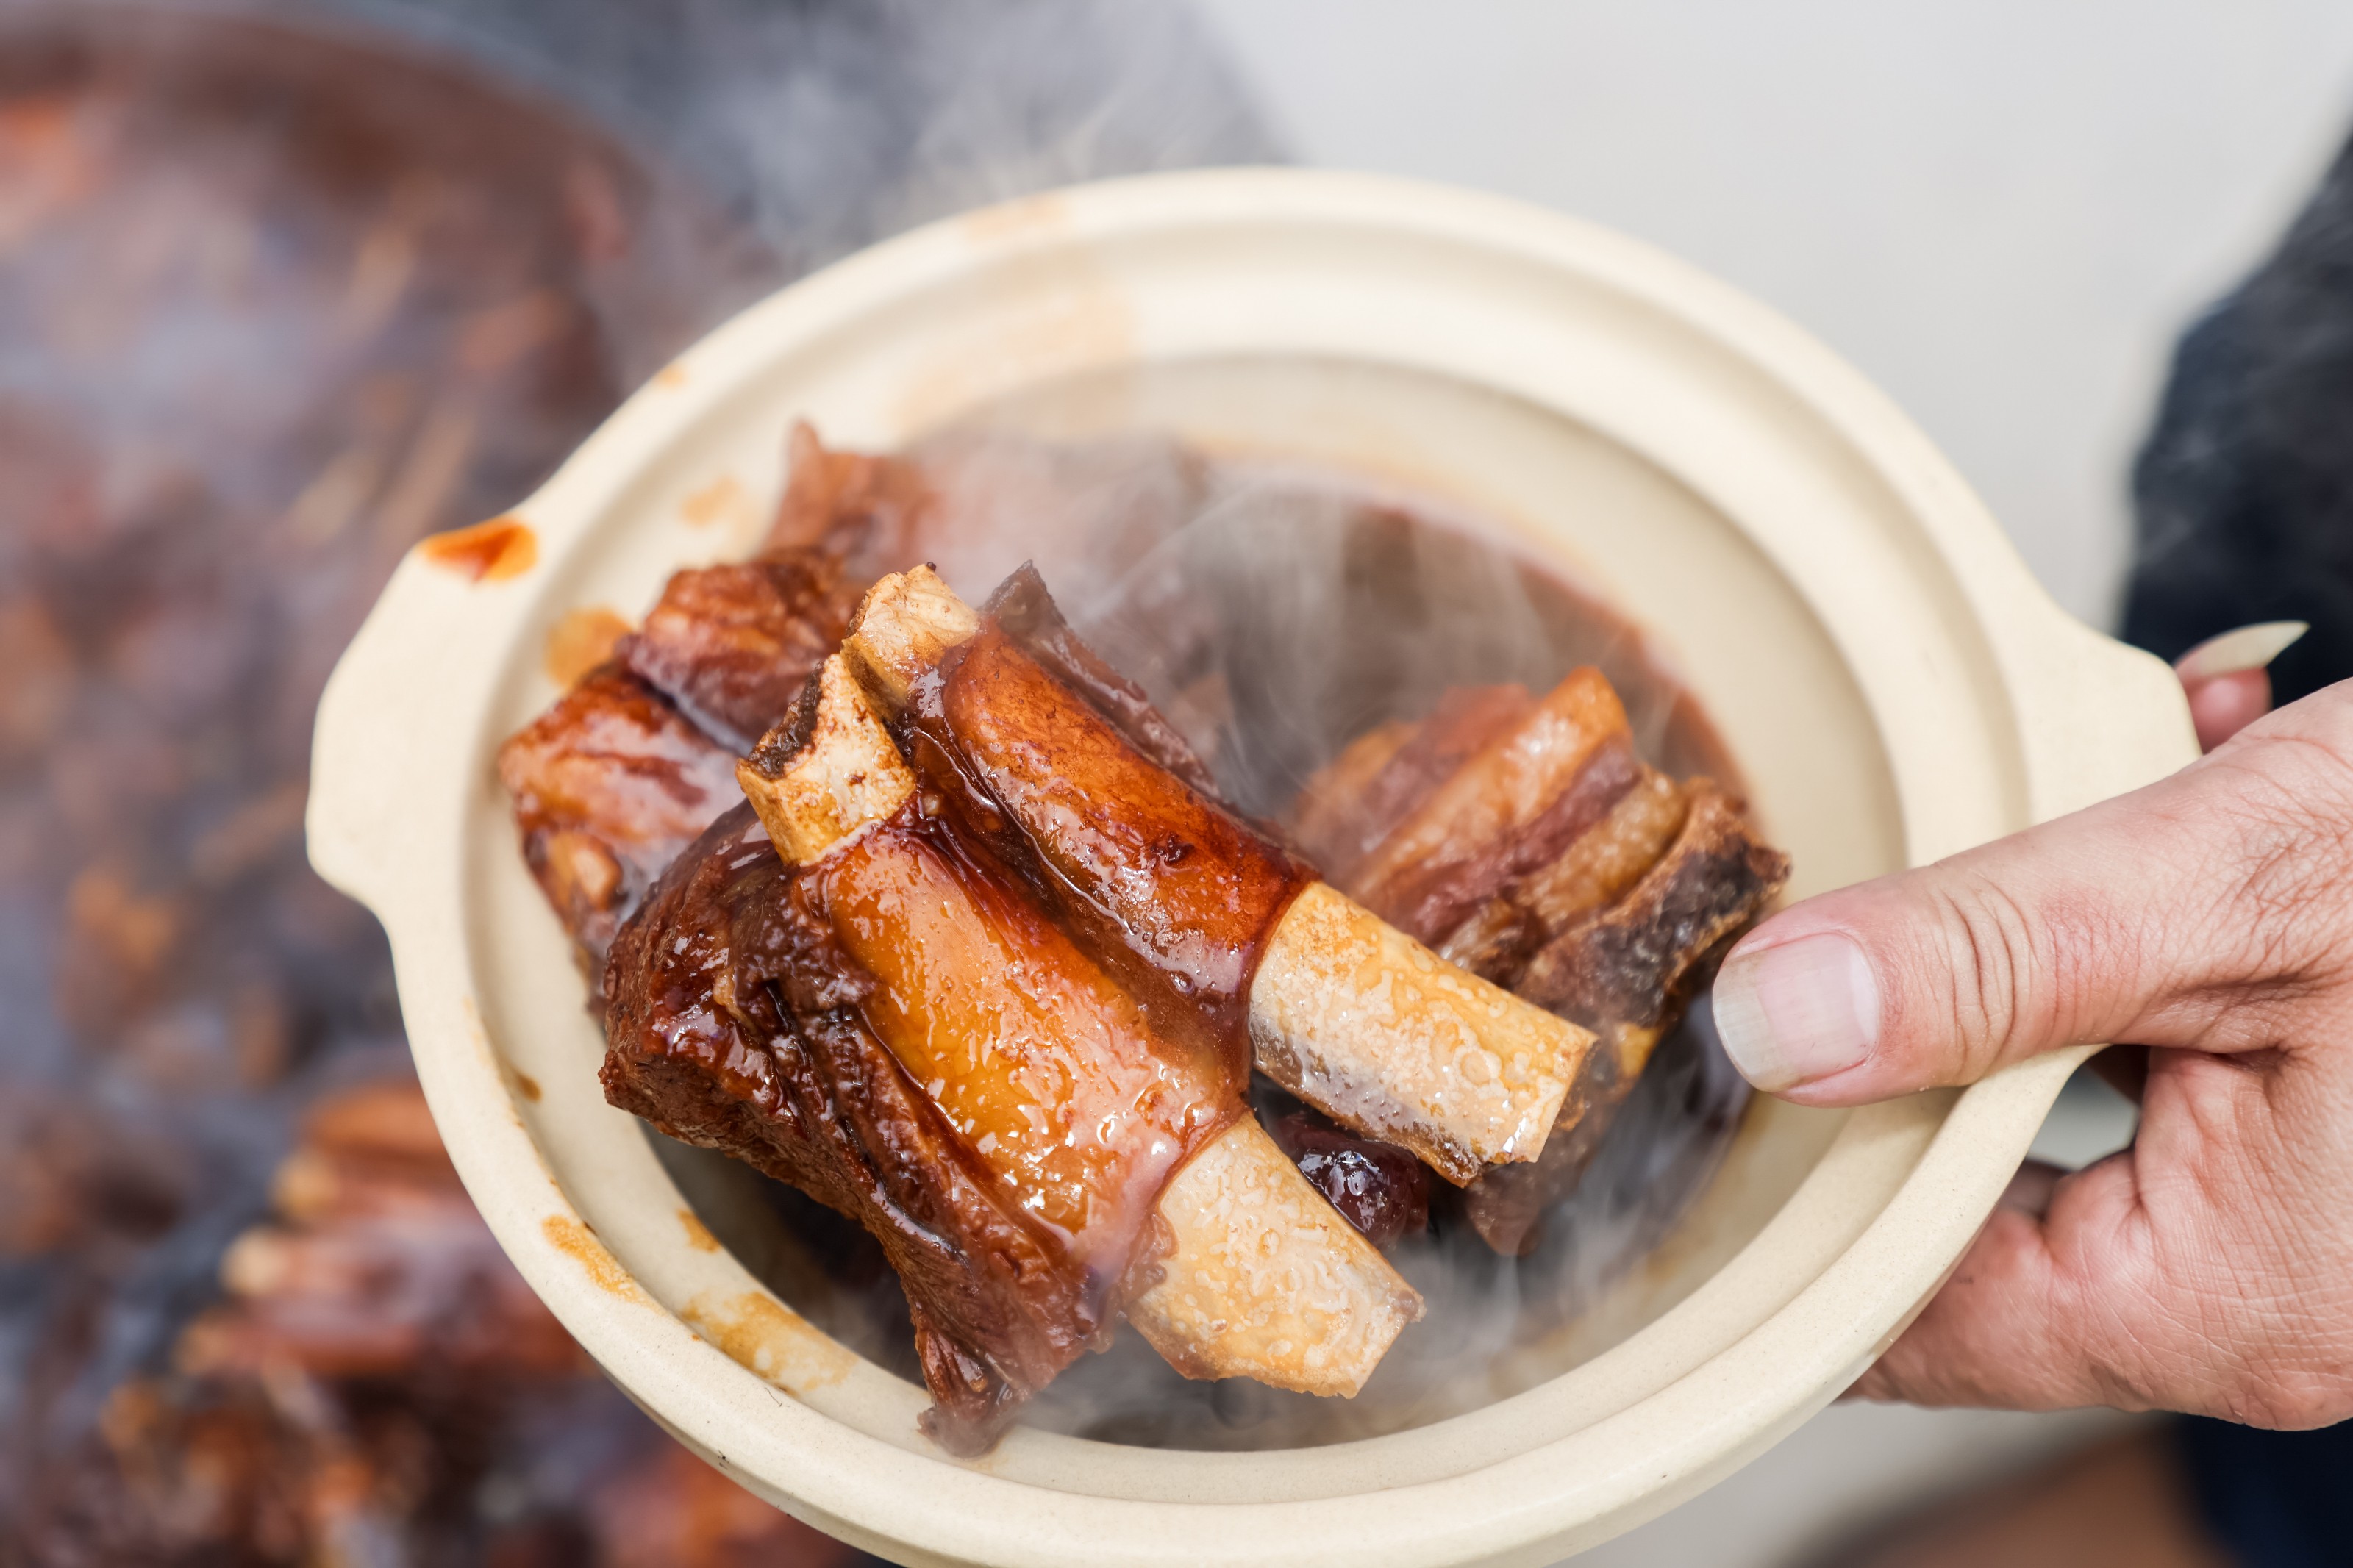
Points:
(488, 551)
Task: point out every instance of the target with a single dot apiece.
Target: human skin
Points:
(2209, 919)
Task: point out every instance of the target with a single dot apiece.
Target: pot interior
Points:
(1358, 539)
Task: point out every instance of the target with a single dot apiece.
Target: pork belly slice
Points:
(1532, 788)
(1384, 774)
(1598, 868)
(732, 646)
(608, 786)
(1626, 971)
(1068, 774)
(1130, 1149)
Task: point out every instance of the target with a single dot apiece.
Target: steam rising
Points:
(825, 127)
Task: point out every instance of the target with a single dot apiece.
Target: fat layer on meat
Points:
(608, 786)
(1627, 971)
(732, 644)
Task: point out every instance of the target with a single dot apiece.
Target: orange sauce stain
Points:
(576, 1240)
(527, 1086)
(580, 641)
(762, 1335)
(671, 376)
(698, 1234)
(723, 500)
(488, 551)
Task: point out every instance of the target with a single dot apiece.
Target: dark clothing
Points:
(2273, 1500)
(2244, 500)
(2243, 494)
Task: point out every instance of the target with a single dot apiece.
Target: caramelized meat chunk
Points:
(1511, 806)
(1182, 884)
(1528, 845)
(1026, 613)
(1497, 942)
(732, 645)
(1626, 972)
(700, 1044)
(631, 763)
(1631, 967)
(1046, 1069)
(1388, 772)
(1041, 750)
(872, 513)
(608, 786)
(1026, 1097)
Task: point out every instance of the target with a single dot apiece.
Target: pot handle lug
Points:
(2106, 718)
(408, 689)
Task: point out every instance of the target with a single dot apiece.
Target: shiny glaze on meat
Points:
(608, 786)
(1051, 1072)
(1167, 887)
(626, 767)
(705, 1041)
(732, 644)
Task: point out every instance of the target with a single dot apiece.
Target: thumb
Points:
(2145, 918)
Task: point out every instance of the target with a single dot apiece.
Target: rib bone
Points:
(1265, 1280)
(1381, 1034)
(846, 778)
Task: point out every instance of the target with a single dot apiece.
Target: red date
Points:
(1378, 1188)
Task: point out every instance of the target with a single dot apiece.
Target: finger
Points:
(2158, 918)
(2133, 1289)
(2021, 1325)
(2227, 704)
(2224, 677)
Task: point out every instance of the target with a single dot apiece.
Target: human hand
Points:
(2209, 918)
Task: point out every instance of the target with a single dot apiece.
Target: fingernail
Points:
(2249, 648)
(1798, 1011)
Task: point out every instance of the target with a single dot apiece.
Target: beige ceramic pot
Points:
(1893, 681)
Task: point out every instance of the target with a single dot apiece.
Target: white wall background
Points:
(2001, 210)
